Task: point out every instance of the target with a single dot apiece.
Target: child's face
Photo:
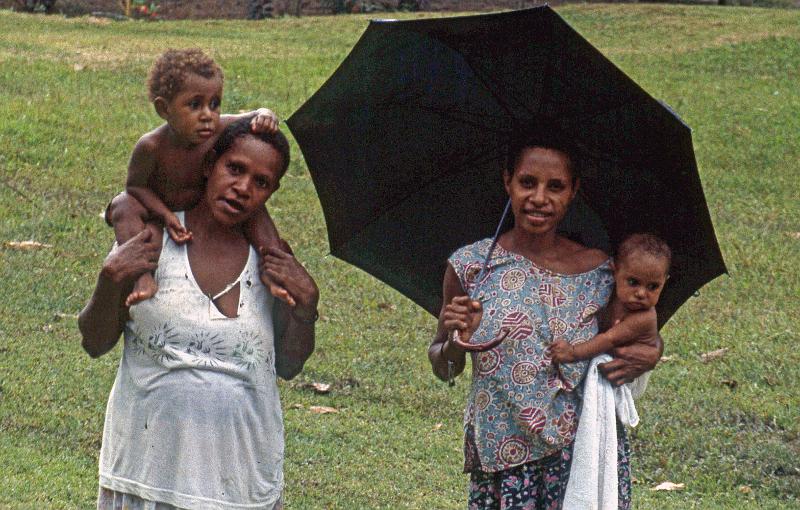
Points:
(639, 279)
(193, 114)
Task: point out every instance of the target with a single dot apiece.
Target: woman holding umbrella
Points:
(539, 286)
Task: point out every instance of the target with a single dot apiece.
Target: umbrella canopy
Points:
(407, 140)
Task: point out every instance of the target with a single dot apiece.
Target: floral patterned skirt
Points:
(541, 484)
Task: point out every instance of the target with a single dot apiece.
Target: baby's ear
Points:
(162, 106)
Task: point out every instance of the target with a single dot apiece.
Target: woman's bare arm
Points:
(102, 320)
(631, 361)
(294, 327)
(456, 313)
(294, 339)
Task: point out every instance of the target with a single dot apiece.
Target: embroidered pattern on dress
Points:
(248, 352)
(207, 350)
(202, 349)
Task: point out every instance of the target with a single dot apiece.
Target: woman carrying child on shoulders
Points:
(194, 417)
(165, 172)
(522, 411)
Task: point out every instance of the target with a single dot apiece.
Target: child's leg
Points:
(145, 286)
(260, 231)
(128, 217)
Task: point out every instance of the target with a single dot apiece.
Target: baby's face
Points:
(639, 279)
(193, 114)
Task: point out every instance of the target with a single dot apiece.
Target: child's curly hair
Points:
(644, 243)
(170, 70)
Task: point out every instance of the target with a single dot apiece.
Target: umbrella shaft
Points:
(485, 266)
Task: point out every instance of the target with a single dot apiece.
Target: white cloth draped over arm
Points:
(593, 483)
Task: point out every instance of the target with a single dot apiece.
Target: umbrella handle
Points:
(491, 344)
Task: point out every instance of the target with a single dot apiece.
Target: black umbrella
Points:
(406, 142)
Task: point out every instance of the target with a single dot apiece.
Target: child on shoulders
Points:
(167, 169)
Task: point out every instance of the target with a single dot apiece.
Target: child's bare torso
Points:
(178, 173)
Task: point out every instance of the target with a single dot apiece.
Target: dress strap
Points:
(226, 289)
(212, 307)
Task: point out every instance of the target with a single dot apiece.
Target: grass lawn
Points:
(73, 104)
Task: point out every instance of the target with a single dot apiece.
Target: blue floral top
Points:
(521, 408)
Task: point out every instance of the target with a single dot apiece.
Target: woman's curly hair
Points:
(169, 71)
(241, 128)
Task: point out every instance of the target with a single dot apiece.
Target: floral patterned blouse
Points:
(521, 408)
(194, 417)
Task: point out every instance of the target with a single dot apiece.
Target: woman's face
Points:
(541, 189)
(242, 179)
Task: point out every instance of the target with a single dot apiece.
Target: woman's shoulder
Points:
(581, 258)
(476, 250)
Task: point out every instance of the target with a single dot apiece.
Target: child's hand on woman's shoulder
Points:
(264, 121)
(176, 230)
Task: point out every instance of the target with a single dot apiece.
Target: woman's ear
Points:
(507, 176)
(576, 184)
(613, 266)
(162, 107)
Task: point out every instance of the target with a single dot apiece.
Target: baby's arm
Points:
(260, 231)
(264, 120)
(140, 168)
(624, 332)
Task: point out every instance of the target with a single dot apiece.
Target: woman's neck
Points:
(524, 243)
(203, 226)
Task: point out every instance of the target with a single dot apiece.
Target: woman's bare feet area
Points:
(144, 288)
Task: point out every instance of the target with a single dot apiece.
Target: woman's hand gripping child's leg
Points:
(128, 217)
(260, 231)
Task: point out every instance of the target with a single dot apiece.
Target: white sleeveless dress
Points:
(194, 418)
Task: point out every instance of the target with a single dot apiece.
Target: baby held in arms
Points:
(641, 267)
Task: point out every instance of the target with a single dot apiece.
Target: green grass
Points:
(74, 104)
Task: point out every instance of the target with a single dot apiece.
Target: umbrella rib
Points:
(475, 161)
(451, 116)
(447, 114)
(485, 81)
(487, 157)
